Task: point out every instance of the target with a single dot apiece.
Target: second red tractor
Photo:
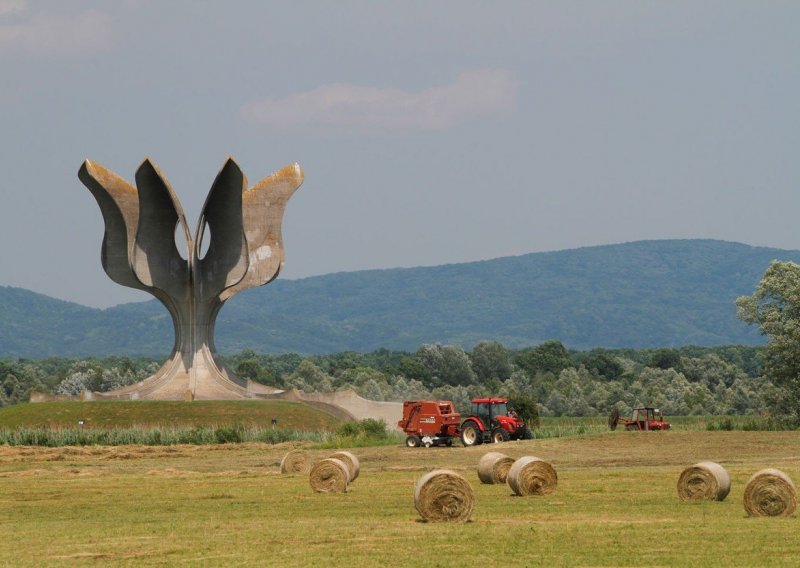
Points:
(644, 418)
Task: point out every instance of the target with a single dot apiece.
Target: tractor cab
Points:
(489, 409)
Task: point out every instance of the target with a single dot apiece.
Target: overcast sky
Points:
(429, 132)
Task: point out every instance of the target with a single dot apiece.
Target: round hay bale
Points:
(443, 495)
(704, 481)
(329, 476)
(493, 467)
(770, 493)
(532, 476)
(296, 461)
(353, 465)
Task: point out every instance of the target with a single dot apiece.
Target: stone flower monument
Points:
(243, 226)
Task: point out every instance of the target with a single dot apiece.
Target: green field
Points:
(141, 413)
(127, 414)
(616, 505)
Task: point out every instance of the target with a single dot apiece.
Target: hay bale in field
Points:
(532, 476)
(770, 493)
(329, 476)
(443, 495)
(296, 461)
(353, 465)
(493, 467)
(704, 481)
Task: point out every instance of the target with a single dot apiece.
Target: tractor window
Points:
(500, 409)
(481, 410)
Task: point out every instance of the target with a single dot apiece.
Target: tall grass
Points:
(749, 424)
(153, 436)
(350, 434)
(565, 427)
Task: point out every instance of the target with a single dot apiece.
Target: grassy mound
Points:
(162, 413)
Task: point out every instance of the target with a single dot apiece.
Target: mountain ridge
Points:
(636, 294)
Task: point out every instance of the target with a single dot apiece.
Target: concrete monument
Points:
(139, 250)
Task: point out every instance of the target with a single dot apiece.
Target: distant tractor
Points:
(491, 421)
(436, 423)
(644, 418)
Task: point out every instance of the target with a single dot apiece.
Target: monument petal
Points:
(139, 250)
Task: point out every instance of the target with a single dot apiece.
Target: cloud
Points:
(473, 94)
(53, 34)
(11, 7)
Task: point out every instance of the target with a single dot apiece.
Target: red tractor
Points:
(644, 418)
(491, 421)
(435, 423)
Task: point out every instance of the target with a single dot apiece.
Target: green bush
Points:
(373, 428)
(367, 432)
(369, 428)
(229, 434)
(348, 430)
(526, 407)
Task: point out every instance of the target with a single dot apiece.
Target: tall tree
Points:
(551, 356)
(491, 360)
(775, 308)
(447, 364)
(665, 359)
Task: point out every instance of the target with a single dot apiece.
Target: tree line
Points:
(687, 381)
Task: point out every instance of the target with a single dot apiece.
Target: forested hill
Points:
(640, 294)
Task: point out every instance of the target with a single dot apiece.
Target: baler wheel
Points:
(413, 441)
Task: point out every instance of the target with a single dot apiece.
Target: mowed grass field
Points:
(228, 505)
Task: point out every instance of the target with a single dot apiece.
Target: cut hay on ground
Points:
(770, 493)
(329, 476)
(296, 461)
(443, 495)
(493, 467)
(704, 481)
(353, 465)
(532, 476)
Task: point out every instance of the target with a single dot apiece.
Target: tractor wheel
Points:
(500, 435)
(413, 441)
(471, 435)
(613, 420)
(449, 442)
(527, 434)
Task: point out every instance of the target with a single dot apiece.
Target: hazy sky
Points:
(429, 132)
